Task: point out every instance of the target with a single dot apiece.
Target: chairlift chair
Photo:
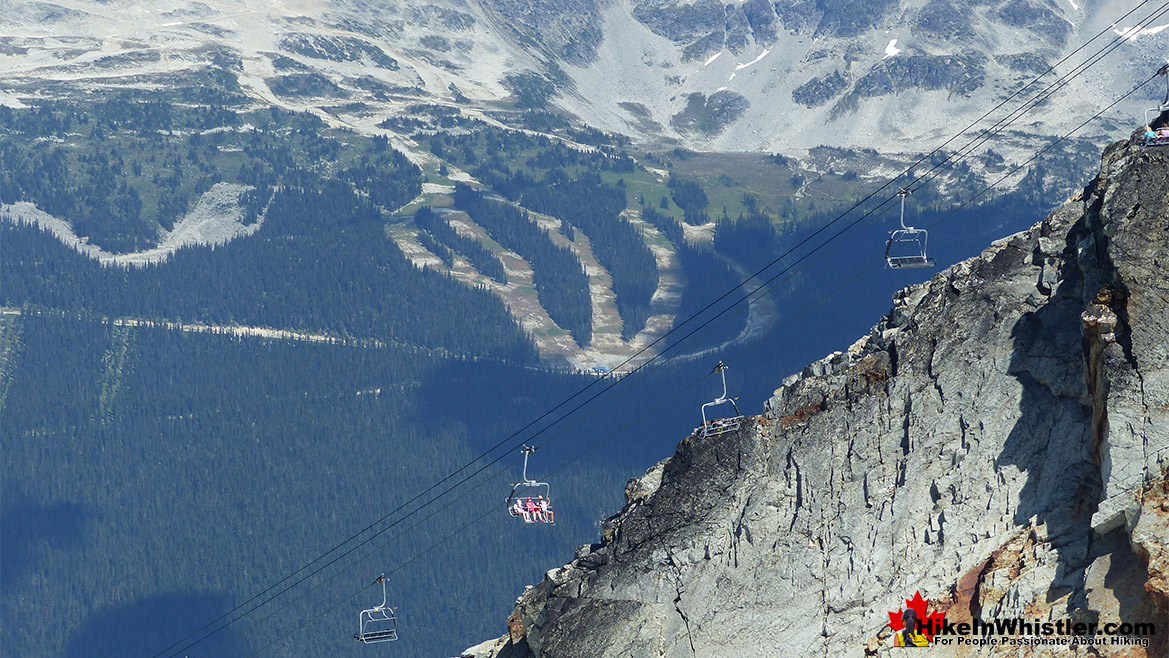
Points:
(528, 488)
(1161, 137)
(906, 248)
(721, 425)
(377, 624)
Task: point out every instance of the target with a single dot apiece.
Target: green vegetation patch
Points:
(123, 169)
(531, 90)
(320, 262)
(710, 116)
(305, 85)
(961, 74)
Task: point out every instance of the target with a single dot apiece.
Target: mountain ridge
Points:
(996, 443)
(782, 77)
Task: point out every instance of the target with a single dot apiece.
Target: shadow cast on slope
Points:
(1052, 441)
(149, 624)
(31, 527)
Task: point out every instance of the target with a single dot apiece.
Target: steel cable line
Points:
(1045, 94)
(1040, 76)
(1045, 149)
(752, 345)
(755, 343)
(986, 189)
(563, 466)
(563, 431)
(494, 477)
(558, 469)
(548, 413)
(374, 551)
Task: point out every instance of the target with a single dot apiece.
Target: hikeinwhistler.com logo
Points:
(916, 625)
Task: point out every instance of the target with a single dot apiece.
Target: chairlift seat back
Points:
(377, 625)
(1160, 139)
(525, 490)
(906, 249)
(721, 426)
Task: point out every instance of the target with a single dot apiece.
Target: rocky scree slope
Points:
(999, 442)
(757, 75)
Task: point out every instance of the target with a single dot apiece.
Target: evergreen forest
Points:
(560, 280)
(179, 436)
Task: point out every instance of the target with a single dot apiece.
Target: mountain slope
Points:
(744, 76)
(997, 443)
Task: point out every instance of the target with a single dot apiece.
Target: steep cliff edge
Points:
(999, 442)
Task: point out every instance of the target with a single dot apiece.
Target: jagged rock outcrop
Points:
(999, 442)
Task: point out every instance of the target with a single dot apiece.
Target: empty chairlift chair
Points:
(1160, 136)
(377, 624)
(530, 500)
(906, 248)
(721, 425)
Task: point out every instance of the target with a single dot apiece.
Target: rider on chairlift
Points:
(521, 504)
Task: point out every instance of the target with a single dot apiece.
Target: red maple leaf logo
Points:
(930, 622)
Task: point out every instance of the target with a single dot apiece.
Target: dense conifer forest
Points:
(156, 477)
(435, 229)
(668, 226)
(320, 262)
(595, 208)
(560, 280)
(570, 184)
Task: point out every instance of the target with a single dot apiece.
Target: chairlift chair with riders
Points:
(1161, 136)
(524, 491)
(906, 248)
(721, 425)
(378, 624)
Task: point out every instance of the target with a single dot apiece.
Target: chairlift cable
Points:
(755, 343)
(986, 189)
(558, 469)
(1045, 149)
(561, 404)
(1043, 95)
(308, 622)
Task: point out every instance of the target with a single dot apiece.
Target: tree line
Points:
(561, 283)
(435, 229)
(595, 208)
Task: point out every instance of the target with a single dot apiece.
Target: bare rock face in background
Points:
(784, 76)
(999, 442)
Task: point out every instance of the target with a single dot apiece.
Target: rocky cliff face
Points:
(999, 442)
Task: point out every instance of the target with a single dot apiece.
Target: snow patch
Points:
(1074, 5)
(1133, 33)
(437, 188)
(12, 102)
(712, 58)
(216, 219)
(892, 50)
(763, 54)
